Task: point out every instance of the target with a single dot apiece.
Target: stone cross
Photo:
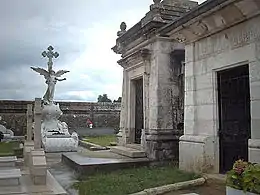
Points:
(37, 121)
(29, 122)
(50, 54)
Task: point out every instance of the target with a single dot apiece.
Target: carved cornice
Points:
(136, 32)
(135, 58)
(219, 15)
(160, 14)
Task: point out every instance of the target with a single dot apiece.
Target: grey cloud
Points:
(28, 27)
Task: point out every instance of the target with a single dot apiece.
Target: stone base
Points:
(129, 152)
(28, 146)
(162, 145)
(38, 167)
(10, 177)
(39, 179)
(120, 138)
(59, 144)
(254, 150)
(8, 161)
(196, 153)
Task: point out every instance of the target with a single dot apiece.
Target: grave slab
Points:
(26, 186)
(88, 165)
(10, 177)
(126, 151)
(8, 161)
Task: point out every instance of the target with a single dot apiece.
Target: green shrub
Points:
(244, 176)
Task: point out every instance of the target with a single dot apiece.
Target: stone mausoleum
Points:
(222, 84)
(217, 43)
(152, 98)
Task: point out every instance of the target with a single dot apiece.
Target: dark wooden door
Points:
(139, 115)
(234, 115)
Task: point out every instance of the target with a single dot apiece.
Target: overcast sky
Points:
(82, 31)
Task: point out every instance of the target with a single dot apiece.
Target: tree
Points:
(103, 98)
(118, 100)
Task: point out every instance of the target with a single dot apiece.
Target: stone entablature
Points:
(213, 17)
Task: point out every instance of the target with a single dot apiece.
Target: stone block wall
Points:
(75, 114)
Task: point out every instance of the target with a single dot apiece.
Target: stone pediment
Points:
(209, 18)
(160, 14)
(134, 59)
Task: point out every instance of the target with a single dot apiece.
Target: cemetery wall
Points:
(75, 114)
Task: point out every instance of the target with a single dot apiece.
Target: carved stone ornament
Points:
(122, 29)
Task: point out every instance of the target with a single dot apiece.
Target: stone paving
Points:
(63, 174)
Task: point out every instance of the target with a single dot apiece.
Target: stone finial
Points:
(122, 29)
(156, 2)
(155, 8)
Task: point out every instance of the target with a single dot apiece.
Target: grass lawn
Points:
(131, 180)
(7, 148)
(103, 140)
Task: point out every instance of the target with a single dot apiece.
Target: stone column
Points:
(163, 136)
(121, 136)
(130, 130)
(37, 125)
(254, 142)
(146, 80)
(29, 122)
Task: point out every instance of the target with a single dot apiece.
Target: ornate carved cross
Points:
(50, 54)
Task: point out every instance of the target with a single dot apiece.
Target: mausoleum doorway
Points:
(139, 111)
(234, 115)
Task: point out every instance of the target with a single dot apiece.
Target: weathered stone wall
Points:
(75, 114)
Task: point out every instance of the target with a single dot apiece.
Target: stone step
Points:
(134, 146)
(191, 194)
(10, 177)
(8, 161)
(129, 152)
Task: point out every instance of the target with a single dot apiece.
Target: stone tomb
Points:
(8, 161)
(90, 165)
(10, 177)
(8, 134)
(153, 88)
(222, 84)
(49, 131)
